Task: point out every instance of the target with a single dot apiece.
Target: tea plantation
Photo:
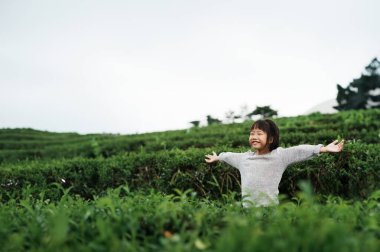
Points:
(154, 191)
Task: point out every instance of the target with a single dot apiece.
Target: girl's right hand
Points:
(211, 158)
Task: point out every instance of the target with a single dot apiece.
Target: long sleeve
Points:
(231, 158)
(299, 153)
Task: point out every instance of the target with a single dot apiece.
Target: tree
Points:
(264, 111)
(231, 116)
(195, 123)
(211, 120)
(362, 93)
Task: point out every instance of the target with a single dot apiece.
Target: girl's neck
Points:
(262, 152)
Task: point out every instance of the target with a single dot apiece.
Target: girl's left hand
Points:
(334, 147)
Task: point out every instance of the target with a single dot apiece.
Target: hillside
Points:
(29, 144)
(154, 191)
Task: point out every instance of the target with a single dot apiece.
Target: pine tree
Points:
(362, 93)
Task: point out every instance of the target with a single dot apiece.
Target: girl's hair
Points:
(269, 127)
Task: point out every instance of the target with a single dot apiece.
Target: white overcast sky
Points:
(140, 66)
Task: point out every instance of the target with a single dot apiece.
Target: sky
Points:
(143, 66)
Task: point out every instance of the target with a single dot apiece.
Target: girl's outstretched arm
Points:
(305, 151)
(231, 158)
(333, 147)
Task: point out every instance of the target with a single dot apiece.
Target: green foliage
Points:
(122, 220)
(265, 112)
(155, 192)
(17, 145)
(358, 94)
(352, 173)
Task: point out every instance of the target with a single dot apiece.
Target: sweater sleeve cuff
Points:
(317, 150)
(220, 157)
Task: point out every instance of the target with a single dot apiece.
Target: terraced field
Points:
(148, 192)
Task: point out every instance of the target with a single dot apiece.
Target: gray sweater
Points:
(261, 174)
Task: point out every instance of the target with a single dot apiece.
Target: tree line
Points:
(361, 93)
(231, 116)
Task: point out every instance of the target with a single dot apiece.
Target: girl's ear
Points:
(271, 140)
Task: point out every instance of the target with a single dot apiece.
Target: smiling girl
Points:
(261, 170)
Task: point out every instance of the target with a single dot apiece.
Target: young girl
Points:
(261, 171)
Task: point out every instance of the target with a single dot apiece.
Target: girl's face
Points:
(258, 139)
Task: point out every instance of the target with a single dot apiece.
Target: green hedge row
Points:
(363, 125)
(353, 173)
(232, 138)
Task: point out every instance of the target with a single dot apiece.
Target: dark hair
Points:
(269, 127)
